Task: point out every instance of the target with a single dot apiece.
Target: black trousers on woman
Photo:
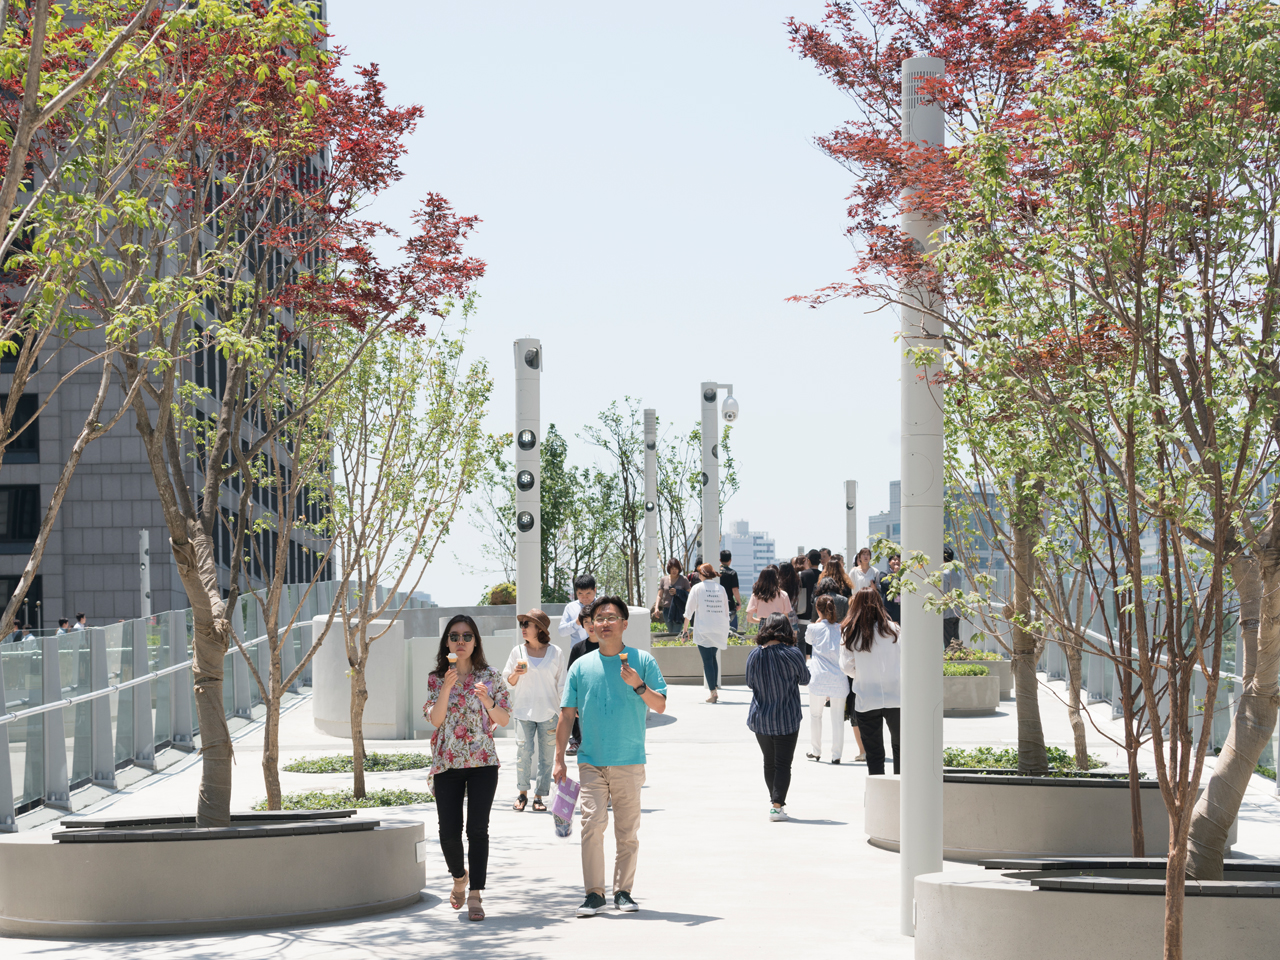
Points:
(873, 737)
(778, 752)
(477, 785)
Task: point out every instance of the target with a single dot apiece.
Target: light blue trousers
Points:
(540, 736)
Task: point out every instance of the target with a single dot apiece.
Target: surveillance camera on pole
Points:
(528, 359)
(851, 519)
(711, 464)
(651, 574)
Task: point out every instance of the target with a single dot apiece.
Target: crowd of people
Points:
(834, 632)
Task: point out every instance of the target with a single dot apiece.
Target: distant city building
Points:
(979, 552)
(752, 550)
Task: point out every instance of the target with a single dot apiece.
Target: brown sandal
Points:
(458, 894)
(474, 910)
(520, 803)
(539, 806)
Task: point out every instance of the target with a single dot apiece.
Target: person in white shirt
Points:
(828, 684)
(708, 608)
(79, 624)
(584, 591)
(863, 574)
(62, 626)
(871, 654)
(535, 673)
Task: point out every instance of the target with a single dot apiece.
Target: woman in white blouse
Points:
(535, 673)
(708, 608)
(828, 684)
(871, 655)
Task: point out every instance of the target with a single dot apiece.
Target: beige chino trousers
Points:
(600, 787)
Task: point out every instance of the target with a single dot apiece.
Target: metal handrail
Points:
(107, 690)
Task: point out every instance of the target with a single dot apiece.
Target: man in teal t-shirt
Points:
(612, 689)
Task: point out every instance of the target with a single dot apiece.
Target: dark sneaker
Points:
(572, 751)
(622, 901)
(592, 905)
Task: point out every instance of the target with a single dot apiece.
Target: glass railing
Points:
(130, 691)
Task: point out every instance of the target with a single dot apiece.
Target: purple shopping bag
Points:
(563, 799)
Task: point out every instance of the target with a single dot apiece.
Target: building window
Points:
(25, 447)
(19, 517)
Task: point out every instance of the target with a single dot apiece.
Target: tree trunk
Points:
(1033, 759)
(1131, 747)
(1175, 887)
(359, 696)
(271, 728)
(1072, 651)
(211, 632)
(1258, 584)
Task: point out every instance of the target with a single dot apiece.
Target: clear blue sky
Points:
(650, 195)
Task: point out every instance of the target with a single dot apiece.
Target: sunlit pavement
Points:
(716, 877)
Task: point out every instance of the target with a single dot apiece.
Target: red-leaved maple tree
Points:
(258, 164)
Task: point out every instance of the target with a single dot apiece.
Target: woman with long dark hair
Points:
(775, 672)
(835, 570)
(466, 699)
(872, 656)
(862, 574)
(767, 596)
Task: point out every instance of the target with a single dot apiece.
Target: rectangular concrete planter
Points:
(992, 818)
(683, 665)
(970, 696)
(1000, 668)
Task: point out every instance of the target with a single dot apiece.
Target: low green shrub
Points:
(1063, 762)
(345, 800)
(964, 670)
(677, 642)
(970, 654)
(373, 763)
(1268, 772)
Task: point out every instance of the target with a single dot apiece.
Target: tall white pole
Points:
(650, 506)
(528, 357)
(710, 473)
(144, 570)
(921, 730)
(850, 521)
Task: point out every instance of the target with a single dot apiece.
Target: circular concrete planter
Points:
(986, 817)
(683, 665)
(999, 668)
(325, 870)
(1035, 911)
(970, 696)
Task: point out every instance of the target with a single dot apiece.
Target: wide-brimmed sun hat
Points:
(536, 616)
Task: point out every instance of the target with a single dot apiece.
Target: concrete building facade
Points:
(752, 550)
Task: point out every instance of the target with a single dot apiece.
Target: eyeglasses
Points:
(462, 637)
(601, 621)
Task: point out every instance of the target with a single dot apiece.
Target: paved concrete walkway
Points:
(716, 878)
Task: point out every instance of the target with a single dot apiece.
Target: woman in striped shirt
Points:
(775, 672)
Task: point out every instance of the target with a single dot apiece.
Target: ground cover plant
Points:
(1062, 762)
(373, 763)
(964, 670)
(966, 654)
(345, 800)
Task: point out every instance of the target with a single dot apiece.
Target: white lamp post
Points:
(850, 521)
(650, 506)
(921, 729)
(528, 358)
(711, 465)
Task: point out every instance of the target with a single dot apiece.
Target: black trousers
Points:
(873, 737)
(950, 630)
(778, 752)
(478, 785)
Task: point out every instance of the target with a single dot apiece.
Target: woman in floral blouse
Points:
(465, 701)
